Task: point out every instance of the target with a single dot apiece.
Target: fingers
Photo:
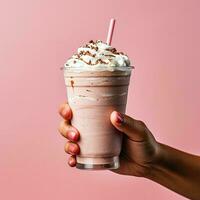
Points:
(68, 131)
(134, 129)
(65, 111)
(72, 148)
(72, 161)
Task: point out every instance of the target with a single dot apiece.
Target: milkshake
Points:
(97, 79)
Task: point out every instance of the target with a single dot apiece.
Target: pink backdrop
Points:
(36, 37)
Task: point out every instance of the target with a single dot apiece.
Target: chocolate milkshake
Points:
(97, 79)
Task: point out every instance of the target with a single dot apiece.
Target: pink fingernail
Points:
(72, 148)
(119, 118)
(72, 162)
(66, 113)
(72, 135)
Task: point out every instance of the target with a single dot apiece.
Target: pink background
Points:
(36, 37)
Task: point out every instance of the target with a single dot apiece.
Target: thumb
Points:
(135, 130)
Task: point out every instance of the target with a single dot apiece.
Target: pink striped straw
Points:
(110, 31)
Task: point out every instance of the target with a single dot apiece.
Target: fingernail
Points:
(119, 118)
(65, 112)
(72, 148)
(71, 162)
(72, 135)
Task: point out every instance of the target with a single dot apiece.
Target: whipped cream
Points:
(96, 56)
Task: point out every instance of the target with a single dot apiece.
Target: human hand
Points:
(142, 155)
(69, 132)
(139, 149)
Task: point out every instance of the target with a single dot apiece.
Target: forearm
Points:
(178, 171)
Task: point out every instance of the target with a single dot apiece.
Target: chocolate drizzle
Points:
(113, 50)
(91, 41)
(86, 53)
(100, 61)
(96, 52)
(110, 55)
(95, 48)
(97, 62)
(72, 83)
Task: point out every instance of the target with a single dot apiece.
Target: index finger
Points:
(65, 111)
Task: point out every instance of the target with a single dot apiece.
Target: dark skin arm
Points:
(142, 155)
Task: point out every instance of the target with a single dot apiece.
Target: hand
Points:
(142, 156)
(69, 132)
(139, 149)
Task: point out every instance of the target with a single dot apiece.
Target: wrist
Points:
(155, 166)
(160, 155)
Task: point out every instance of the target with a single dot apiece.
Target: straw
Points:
(110, 31)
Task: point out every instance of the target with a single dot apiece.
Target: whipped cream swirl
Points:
(98, 55)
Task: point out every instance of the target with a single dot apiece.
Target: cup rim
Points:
(103, 68)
